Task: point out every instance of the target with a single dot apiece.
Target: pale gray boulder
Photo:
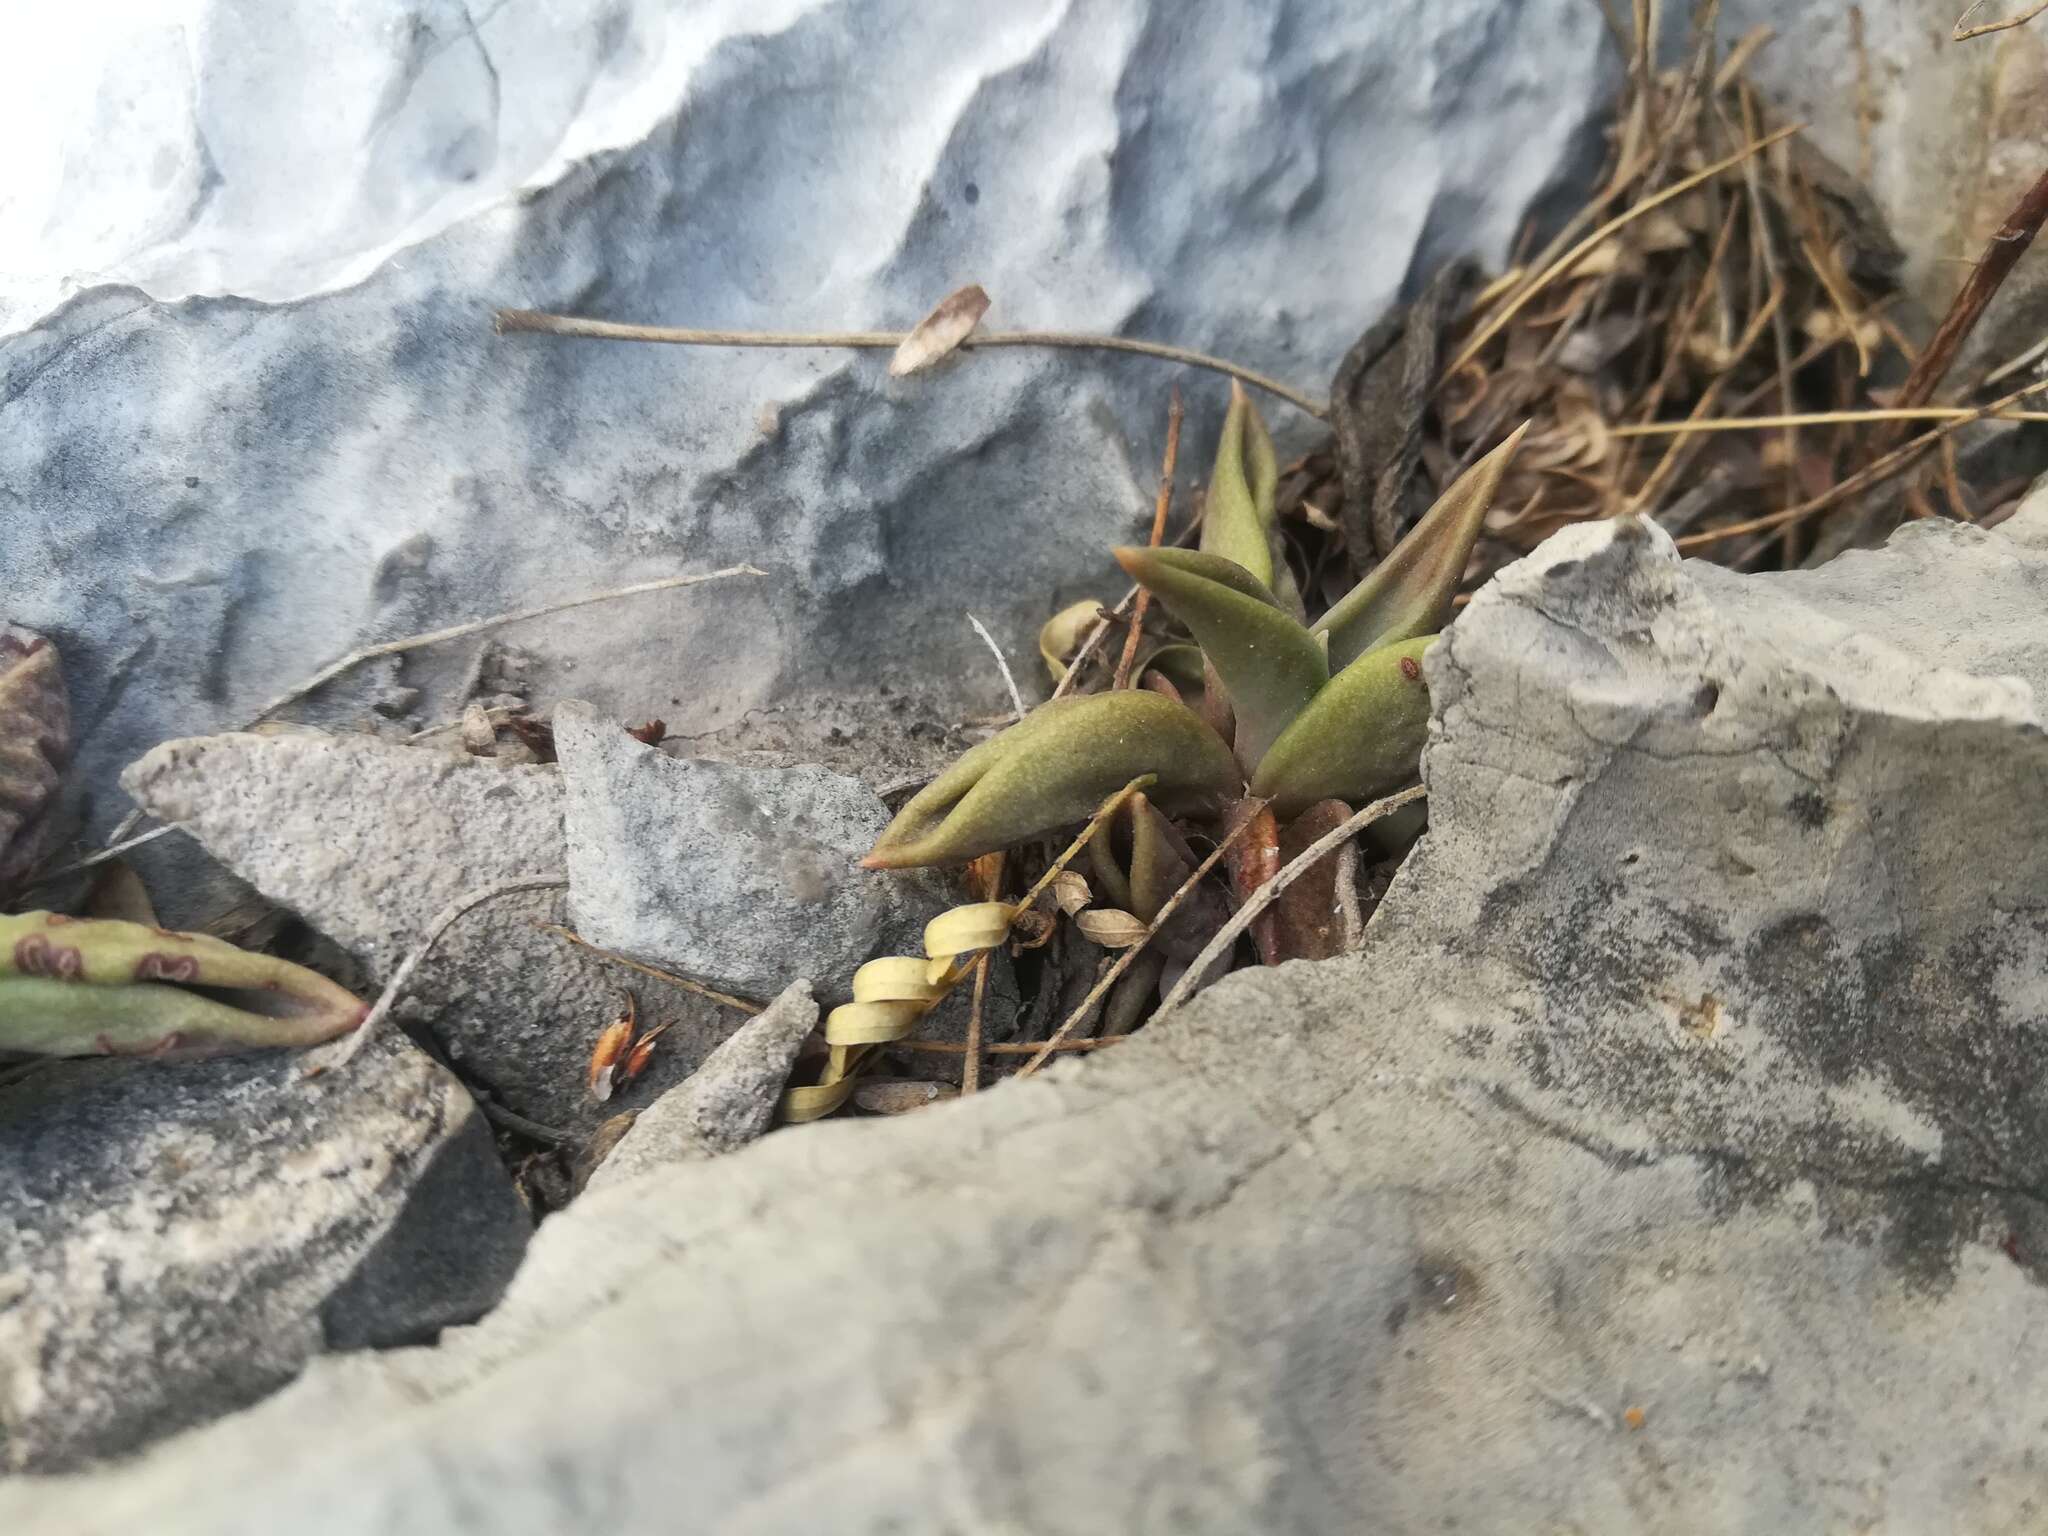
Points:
(177, 1239)
(369, 841)
(1672, 1156)
(727, 1102)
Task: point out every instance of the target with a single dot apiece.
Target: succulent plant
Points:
(95, 987)
(1337, 710)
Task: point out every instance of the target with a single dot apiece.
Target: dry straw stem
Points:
(1002, 664)
(2001, 252)
(745, 1005)
(1159, 509)
(970, 1069)
(1873, 473)
(476, 626)
(1123, 961)
(1004, 1047)
(1267, 894)
(1562, 267)
(509, 321)
(1812, 419)
(1963, 32)
(443, 921)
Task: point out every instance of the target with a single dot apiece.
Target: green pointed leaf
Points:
(1231, 524)
(1271, 665)
(1409, 593)
(1181, 665)
(1361, 737)
(1054, 767)
(1261, 464)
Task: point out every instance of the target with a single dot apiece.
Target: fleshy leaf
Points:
(72, 987)
(1055, 766)
(1361, 737)
(1271, 665)
(1409, 593)
(1231, 524)
(1157, 868)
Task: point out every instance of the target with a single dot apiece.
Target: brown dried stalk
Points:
(1123, 961)
(1267, 894)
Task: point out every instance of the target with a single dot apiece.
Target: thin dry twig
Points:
(1563, 266)
(744, 1004)
(970, 1069)
(508, 321)
(1094, 638)
(1811, 419)
(2001, 252)
(1004, 1047)
(111, 851)
(1009, 682)
(1123, 961)
(443, 921)
(1267, 894)
(356, 658)
(1871, 474)
(1963, 34)
(1159, 509)
(1103, 812)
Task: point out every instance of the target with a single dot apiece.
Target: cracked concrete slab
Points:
(1673, 1157)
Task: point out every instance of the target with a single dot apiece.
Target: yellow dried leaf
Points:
(1061, 635)
(951, 322)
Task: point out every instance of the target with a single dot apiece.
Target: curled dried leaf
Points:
(1110, 928)
(642, 1053)
(1071, 891)
(1061, 635)
(951, 322)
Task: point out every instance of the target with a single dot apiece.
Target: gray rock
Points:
(727, 1102)
(256, 415)
(178, 1239)
(744, 877)
(369, 841)
(1671, 1156)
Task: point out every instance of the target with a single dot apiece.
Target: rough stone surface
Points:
(743, 877)
(178, 1239)
(256, 415)
(369, 841)
(727, 1102)
(1946, 136)
(1673, 1157)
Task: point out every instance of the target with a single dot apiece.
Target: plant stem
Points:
(515, 320)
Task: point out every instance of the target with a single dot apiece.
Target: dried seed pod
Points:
(1110, 928)
(638, 1057)
(607, 1056)
(35, 744)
